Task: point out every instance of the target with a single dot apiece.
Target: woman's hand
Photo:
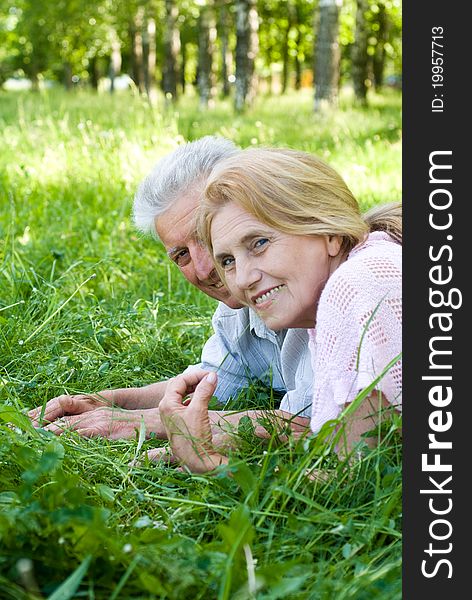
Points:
(187, 421)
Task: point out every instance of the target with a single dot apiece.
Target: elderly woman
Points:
(288, 238)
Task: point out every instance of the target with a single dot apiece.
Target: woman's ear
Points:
(334, 244)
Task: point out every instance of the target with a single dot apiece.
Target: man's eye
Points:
(181, 258)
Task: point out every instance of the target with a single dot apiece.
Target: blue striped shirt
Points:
(243, 349)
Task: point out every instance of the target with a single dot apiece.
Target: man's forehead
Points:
(176, 227)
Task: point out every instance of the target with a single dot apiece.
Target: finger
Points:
(161, 455)
(157, 455)
(64, 424)
(164, 455)
(204, 391)
(183, 384)
(58, 427)
(35, 413)
(56, 408)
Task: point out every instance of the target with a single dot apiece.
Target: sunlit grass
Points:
(69, 167)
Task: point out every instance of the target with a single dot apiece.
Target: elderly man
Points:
(241, 350)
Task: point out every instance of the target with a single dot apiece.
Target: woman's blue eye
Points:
(226, 262)
(261, 242)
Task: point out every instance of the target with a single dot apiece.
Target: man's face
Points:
(176, 230)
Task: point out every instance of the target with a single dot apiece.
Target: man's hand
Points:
(141, 398)
(66, 405)
(111, 423)
(187, 421)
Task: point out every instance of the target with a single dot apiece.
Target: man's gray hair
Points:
(174, 175)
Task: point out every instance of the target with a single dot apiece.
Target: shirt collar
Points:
(260, 329)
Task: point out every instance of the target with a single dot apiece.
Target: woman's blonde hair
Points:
(293, 192)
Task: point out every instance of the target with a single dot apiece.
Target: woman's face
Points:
(280, 276)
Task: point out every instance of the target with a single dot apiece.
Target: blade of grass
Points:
(67, 589)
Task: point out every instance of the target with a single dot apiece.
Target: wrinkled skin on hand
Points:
(90, 416)
(187, 421)
(66, 405)
(111, 423)
(163, 455)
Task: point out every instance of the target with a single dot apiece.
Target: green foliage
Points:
(74, 37)
(384, 36)
(76, 519)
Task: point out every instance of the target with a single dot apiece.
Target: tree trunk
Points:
(225, 54)
(206, 37)
(151, 56)
(327, 54)
(183, 66)
(247, 44)
(359, 54)
(298, 39)
(94, 72)
(378, 63)
(298, 73)
(34, 78)
(115, 62)
(67, 71)
(171, 51)
(268, 50)
(137, 51)
(285, 57)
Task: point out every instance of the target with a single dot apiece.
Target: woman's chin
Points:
(283, 322)
(277, 324)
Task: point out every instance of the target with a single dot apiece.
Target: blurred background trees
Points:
(216, 47)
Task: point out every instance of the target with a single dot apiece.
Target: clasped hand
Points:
(187, 420)
(91, 416)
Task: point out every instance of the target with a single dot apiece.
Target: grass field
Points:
(86, 304)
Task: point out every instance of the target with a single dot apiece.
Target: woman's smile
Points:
(260, 300)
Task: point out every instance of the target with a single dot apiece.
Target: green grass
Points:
(68, 171)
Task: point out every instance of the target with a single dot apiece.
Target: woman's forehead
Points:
(232, 225)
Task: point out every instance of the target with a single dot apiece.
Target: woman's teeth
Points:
(268, 294)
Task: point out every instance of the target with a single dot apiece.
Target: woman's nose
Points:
(246, 275)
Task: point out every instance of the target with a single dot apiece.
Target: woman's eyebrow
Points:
(246, 238)
(220, 255)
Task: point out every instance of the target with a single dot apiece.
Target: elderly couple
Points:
(309, 291)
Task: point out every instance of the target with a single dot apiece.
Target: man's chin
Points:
(223, 295)
(232, 302)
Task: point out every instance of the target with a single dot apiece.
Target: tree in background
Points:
(386, 28)
(196, 42)
(136, 24)
(371, 44)
(171, 51)
(29, 30)
(378, 59)
(206, 42)
(247, 46)
(287, 26)
(223, 26)
(327, 54)
(298, 46)
(114, 68)
(149, 47)
(359, 53)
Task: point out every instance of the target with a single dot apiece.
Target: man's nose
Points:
(203, 263)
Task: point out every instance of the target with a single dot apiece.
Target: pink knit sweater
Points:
(369, 281)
